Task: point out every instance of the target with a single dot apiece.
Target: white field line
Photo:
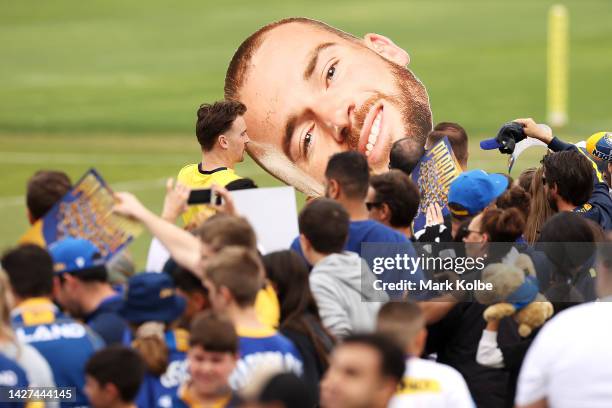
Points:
(134, 185)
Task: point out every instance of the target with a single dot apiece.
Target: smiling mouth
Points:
(374, 131)
(371, 130)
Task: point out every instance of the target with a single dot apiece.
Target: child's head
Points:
(324, 227)
(233, 278)
(113, 374)
(213, 353)
(404, 323)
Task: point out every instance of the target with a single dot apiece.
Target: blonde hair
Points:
(540, 209)
(6, 303)
(150, 343)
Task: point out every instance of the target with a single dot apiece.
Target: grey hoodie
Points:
(346, 304)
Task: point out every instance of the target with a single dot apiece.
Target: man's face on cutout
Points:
(311, 93)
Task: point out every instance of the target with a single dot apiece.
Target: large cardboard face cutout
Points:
(312, 91)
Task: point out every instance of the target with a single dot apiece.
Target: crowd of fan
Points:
(222, 325)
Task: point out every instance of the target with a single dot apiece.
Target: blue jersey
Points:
(263, 348)
(159, 391)
(185, 399)
(11, 376)
(63, 342)
(106, 322)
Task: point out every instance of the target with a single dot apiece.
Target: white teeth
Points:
(373, 137)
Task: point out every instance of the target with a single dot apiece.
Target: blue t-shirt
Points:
(105, 320)
(11, 376)
(159, 391)
(62, 341)
(362, 231)
(263, 348)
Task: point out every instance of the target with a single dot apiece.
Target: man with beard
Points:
(571, 180)
(81, 287)
(313, 90)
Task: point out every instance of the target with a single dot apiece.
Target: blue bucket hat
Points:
(74, 255)
(474, 190)
(151, 296)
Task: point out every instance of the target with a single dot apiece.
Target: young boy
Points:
(233, 279)
(212, 356)
(113, 376)
(425, 383)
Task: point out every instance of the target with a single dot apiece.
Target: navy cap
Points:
(151, 296)
(474, 190)
(74, 255)
(507, 137)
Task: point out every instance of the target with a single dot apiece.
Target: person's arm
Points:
(538, 404)
(436, 309)
(183, 247)
(489, 353)
(531, 129)
(333, 315)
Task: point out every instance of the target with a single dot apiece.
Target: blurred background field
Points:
(115, 84)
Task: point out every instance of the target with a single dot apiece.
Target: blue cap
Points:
(74, 255)
(151, 296)
(490, 144)
(474, 190)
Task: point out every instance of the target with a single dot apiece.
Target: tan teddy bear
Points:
(515, 293)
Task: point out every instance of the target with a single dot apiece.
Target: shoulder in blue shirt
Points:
(362, 231)
(63, 342)
(261, 349)
(11, 376)
(105, 320)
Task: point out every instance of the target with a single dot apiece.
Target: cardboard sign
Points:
(85, 212)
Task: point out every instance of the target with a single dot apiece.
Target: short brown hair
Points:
(325, 223)
(400, 193)
(227, 230)
(400, 321)
(457, 137)
(213, 332)
(239, 270)
(45, 188)
(240, 63)
(216, 119)
(572, 173)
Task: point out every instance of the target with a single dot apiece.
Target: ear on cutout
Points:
(386, 48)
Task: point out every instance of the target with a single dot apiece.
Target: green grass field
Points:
(115, 84)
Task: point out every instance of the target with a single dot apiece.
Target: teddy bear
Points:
(515, 293)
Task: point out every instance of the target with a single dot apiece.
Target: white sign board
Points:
(272, 212)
